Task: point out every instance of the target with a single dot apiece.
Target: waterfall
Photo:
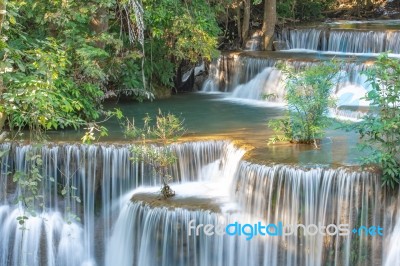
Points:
(393, 254)
(157, 237)
(259, 79)
(231, 70)
(220, 74)
(168, 227)
(253, 78)
(356, 42)
(345, 41)
(302, 38)
(271, 194)
(292, 195)
(101, 175)
(221, 189)
(265, 84)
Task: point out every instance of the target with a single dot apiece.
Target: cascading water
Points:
(211, 172)
(259, 79)
(265, 84)
(317, 196)
(123, 223)
(302, 38)
(160, 235)
(168, 227)
(254, 42)
(345, 41)
(101, 175)
(253, 76)
(230, 71)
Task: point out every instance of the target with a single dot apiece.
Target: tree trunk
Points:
(293, 9)
(239, 22)
(246, 21)
(358, 7)
(2, 114)
(369, 5)
(269, 21)
(99, 24)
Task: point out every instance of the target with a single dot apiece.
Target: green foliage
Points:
(282, 126)
(303, 10)
(311, 9)
(74, 54)
(29, 183)
(308, 96)
(30, 198)
(167, 129)
(159, 68)
(175, 32)
(69, 23)
(95, 130)
(40, 96)
(188, 30)
(286, 8)
(132, 83)
(41, 92)
(380, 131)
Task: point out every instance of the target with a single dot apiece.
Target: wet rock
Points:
(279, 45)
(199, 81)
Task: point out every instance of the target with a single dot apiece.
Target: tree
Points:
(188, 30)
(60, 61)
(237, 7)
(243, 25)
(246, 20)
(167, 129)
(3, 12)
(308, 96)
(269, 21)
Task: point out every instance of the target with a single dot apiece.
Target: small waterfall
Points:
(27, 247)
(101, 176)
(344, 41)
(302, 38)
(356, 42)
(158, 236)
(259, 79)
(393, 254)
(317, 196)
(265, 84)
(226, 76)
(270, 194)
(393, 42)
(162, 231)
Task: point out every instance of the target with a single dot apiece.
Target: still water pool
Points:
(215, 116)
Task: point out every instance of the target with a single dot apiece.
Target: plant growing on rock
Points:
(308, 97)
(167, 129)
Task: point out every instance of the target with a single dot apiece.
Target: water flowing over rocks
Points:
(221, 188)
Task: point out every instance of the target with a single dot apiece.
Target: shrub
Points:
(308, 96)
(167, 129)
(380, 130)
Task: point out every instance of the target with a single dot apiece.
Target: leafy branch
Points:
(167, 129)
